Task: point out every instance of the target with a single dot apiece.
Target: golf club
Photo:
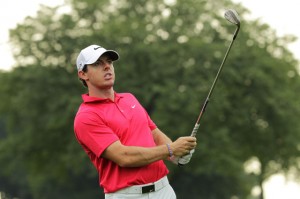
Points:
(232, 16)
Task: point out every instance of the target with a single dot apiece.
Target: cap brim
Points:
(112, 54)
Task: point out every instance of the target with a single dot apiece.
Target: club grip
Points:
(195, 130)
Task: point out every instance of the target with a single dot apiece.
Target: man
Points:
(121, 140)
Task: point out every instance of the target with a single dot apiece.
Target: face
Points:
(100, 74)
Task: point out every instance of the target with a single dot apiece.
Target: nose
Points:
(107, 65)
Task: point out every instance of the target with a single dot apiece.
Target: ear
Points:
(82, 75)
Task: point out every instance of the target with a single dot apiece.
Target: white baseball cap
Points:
(91, 54)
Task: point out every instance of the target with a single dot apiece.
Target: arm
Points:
(134, 156)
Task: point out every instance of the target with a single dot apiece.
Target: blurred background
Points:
(170, 52)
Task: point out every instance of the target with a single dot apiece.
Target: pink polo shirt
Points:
(100, 122)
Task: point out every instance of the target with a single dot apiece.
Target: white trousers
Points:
(165, 191)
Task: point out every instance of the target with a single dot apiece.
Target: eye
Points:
(97, 63)
(101, 62)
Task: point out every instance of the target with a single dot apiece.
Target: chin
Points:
(107, 86)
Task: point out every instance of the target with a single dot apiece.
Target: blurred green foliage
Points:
(170, 53)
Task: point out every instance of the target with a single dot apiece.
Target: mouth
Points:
(108, 76)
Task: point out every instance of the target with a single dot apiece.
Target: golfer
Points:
(121, 140)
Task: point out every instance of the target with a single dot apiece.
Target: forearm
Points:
(134, 156)
(144, 156)
(140, 156)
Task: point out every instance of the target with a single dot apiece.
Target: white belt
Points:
(146, 188)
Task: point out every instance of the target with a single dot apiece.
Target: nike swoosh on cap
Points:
(97, 48)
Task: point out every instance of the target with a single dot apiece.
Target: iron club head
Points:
(232, 16)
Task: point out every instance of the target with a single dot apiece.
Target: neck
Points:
(102, 93)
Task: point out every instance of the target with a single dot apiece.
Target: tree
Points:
(38, 107)
(169, 57)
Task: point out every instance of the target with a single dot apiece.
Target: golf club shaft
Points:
(196, 127)
(232, 17)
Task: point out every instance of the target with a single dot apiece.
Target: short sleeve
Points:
(91, 131)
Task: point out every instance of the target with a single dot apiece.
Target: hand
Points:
(182, 160)
(183, 145)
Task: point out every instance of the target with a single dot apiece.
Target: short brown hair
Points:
(84, 69)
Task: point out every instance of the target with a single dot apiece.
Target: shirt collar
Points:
(88, 99)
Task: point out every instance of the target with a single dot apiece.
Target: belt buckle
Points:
(148, 189)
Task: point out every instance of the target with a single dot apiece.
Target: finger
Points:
(187, 152)
(190, 139)
(193, 139)
(191, 147)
